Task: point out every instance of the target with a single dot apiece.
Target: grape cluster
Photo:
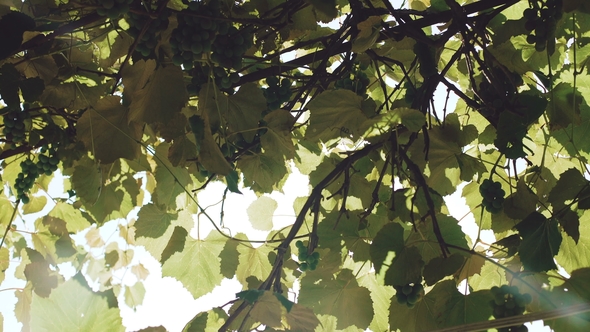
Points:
(277, 94)
(356, 81)
(197, 30)
(541, 21)
(493, 195)
(146, 45)
(14, 127)
(30, 171)
(113, 8)
(509, 302)
(409, 294)
(229, 49)
(308, 262)
(496, 97)
(223, 78)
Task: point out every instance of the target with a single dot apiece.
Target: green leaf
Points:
(568, 187)
(574, 255)
(301, 318)
(261, 172)
(540, 242)
(250, 295)
(453, 308)
(389, 238)
(232, 182)
(420, 318)
(175, 244)
(561, 110)
(163, 95)
(520, 203)
(87, 181)
(411, 118)
(278, 137)
(245, 110)
(152, 222)
(105, 131)
(76, 220)
(198, 265)
(253, 262)
(74, 307)
(170, 181)
(209, 321)
(36, 204)
(4, 262)
(338, 297)
(260, 213)
(440, 267)
(334, 113)
(134, 294)
(267, 310)
(405, 268)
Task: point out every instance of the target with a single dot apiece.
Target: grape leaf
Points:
(198, 265)
(301, 318)
(540, 242)
(389, 238)
(163, 95)
(152, 222)
(568, 186)
(574, 255)
(74, 307)
(245, 110)
(134, 294)
(262, 173)
(454, 308)
(440, 267)
(87, 181)
(260, 213)
(106, 133)
(253, 262)
(267, 310)
(405, 268)
(411, 118)
(338, 297)
(209, 321)
(278, 136)
(175, 244)
(333, 113)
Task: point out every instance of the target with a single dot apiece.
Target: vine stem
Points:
(9, 223)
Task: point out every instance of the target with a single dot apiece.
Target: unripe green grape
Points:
(303, 267)
(407, 289)
(401, 298)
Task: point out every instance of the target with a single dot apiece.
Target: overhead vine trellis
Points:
(241, 92)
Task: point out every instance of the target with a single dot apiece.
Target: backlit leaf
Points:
(198, 265)
(73, 307)
(261, 211)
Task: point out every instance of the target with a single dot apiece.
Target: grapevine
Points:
(113, 8)
(146, 45)
(276, 94)
(196, 32)
(509, 302)
(493, 195)
(228, 49)
(409, 294)
(200, 75)
(541, 21)
(15, 127)
(356, 81)
(307, 261)
(30, 171)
